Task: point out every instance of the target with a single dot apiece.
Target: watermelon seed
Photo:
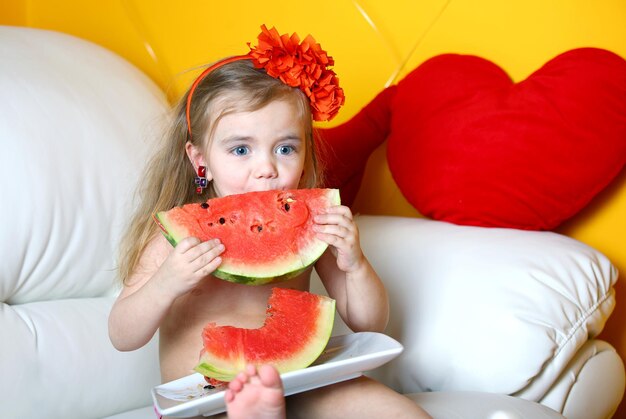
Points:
(209, 387)
(287, 207)
(222, 220)
(204, 205)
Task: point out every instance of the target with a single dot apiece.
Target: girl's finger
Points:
(339, 209)
(209, 258)
(334, 219)
(201, 248)
(187, 243)
(329, 239)
(332, 229)
(209, 267)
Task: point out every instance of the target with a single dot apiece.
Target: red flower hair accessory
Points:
(303, 65)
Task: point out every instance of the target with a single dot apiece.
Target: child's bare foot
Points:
(256, 394)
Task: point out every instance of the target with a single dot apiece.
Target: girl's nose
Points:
(266, 168)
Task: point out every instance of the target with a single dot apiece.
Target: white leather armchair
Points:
(74, 124)
(485, 311)
(492, 320)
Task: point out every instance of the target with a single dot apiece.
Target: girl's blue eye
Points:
(240, 151)
(285, 149)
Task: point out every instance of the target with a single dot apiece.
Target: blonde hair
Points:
(234, 87)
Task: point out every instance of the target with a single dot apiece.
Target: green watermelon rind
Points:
(263, 275)
(301, 360)
(210, 371)
(167, 229)
(315, 251)
(251, 280)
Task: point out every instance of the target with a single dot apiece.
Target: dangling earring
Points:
(200, 180)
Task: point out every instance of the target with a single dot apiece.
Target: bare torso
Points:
(214, 300)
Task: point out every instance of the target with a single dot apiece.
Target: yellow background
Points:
(374, 43)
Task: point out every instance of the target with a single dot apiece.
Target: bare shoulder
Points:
(157, 249)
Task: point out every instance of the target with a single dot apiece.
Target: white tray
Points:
(344, 358)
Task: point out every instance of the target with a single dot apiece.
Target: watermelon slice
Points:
(295, 332)
(267, 235)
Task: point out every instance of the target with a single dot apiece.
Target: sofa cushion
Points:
(485, 309)
(75, 123)
(59, 362)
(456, 404)
(74, 143)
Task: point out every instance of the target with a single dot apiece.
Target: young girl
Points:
(246, 125)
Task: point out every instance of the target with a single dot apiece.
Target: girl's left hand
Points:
(337, 228)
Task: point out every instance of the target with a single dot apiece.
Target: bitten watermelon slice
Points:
(268, 235)
(296, 331)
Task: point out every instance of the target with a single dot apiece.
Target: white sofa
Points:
(493, 321)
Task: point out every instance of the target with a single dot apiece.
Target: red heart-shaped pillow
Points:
(470, 146)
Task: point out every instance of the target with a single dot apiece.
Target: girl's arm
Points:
(347, 274)
(163, 274)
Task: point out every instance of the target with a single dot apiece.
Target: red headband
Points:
(303, 65)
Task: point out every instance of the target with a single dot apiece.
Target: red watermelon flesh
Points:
(296, 331)
(268, 235)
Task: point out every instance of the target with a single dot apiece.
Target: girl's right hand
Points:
(188, 263)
